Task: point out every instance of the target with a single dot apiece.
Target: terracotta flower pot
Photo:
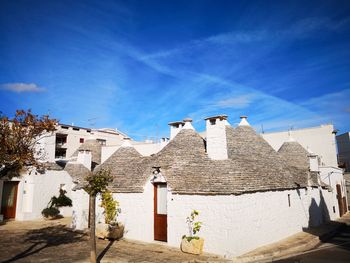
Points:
(194, 246)
(109, 231)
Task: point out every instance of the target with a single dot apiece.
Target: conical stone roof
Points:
(127, 167)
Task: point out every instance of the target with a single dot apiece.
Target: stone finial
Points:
(188, 124)
(244, 121)
(126, 142)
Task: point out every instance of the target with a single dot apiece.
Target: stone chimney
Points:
(216, 137)
(126, 142)
(313, 160)
(175, 127)
(85, 158)
(188, 124)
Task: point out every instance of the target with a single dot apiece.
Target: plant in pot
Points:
(192, 243)
(110, 229)
(52, 210)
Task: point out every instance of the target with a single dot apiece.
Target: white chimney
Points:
(216, 137)
(188, 124)
(313, 160)
(85, 158)
(175, 127)
(244, 121)
(126, 142)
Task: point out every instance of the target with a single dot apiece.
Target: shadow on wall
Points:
(318, 215)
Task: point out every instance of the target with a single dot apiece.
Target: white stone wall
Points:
(333, 176)
(233, 225)
(80, 215)
(319, 140)
(137, 214)
(36, 190)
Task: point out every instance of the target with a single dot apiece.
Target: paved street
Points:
(53, 241)
(335, 250)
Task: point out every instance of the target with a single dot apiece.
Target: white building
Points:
(343, 142)
(241, 186)
(24, 197)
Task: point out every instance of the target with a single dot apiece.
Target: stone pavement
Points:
(295, 244)
(53, 241)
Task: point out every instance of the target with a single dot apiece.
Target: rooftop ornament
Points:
(157, 176)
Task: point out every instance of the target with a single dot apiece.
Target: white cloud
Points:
(238, 102)
(22, 87)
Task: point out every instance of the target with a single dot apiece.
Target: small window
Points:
(213, 122)
(101, 141)
(65, 127)
(289, 200)
(88, 131)
(81, 140)
(75, 129)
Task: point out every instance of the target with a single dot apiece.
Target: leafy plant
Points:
(50, 212)
(193, 226)
(110, 206)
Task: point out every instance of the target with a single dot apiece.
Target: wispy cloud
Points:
(238, 102)
(22, 87)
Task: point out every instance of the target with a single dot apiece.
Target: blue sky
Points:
(137, 65)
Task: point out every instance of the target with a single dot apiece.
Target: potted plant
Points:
(52, 210)
(192, 243)
(110, 229)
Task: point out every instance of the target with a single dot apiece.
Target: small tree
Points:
(96, 184)
(193, 226)
(19, 138)
(110, 207)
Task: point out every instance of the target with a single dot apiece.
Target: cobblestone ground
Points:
(53, 241)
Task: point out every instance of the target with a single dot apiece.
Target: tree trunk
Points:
(92, 229)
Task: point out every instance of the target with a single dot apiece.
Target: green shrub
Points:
(50, 212)
(110, 206)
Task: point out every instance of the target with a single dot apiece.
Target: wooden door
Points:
(160, 212)
(340, 200)
(9, 199)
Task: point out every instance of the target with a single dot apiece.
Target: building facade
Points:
(241, 186)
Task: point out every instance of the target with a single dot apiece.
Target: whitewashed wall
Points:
(233, 225)
(36, 190)
(333, 176)
(80, 215)
(136, 212)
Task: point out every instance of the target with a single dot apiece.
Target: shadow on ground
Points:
(40, 239)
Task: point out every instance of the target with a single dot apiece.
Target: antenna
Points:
(92, 122)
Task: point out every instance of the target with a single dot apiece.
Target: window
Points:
(102, 141)
(289, 200)
(75, 129)
(81, 140)
(60, 153)
(161, 199)
(61, 139)
(65, 127)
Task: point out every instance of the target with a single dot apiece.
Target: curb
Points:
(308, 244)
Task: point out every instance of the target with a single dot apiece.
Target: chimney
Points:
(126, 142)
(188, 124)
(244, 121)
(84, 157)
(216, 137)
(313, 160)
(175, 127)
